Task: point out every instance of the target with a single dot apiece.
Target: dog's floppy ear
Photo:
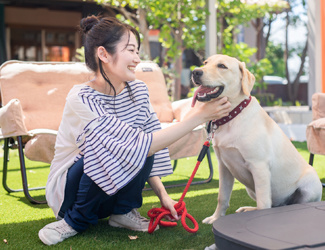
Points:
(248, 79)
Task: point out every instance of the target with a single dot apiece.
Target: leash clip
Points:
(211, 129)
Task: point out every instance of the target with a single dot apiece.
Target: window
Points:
(30, 44)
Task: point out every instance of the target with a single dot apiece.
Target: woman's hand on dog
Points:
(199, 114)
(212, 110)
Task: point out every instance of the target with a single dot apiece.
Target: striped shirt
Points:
(116, 144)
(112, 134)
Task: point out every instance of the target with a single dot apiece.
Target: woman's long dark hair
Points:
(106, 32)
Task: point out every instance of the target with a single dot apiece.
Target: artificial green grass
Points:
(20, 221)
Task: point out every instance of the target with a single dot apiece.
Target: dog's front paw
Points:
(209, 220)
(245, 209)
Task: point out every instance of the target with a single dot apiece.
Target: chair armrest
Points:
(42, 131)
(318, 105)
(181, 107)
(189, 145)
(12, 119)
(41, 146)
(315, 135)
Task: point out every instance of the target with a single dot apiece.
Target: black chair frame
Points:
(11, 143)
(311, 162)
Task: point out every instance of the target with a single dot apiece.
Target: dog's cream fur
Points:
(252, 148)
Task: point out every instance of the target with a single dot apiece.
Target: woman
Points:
(109, 142)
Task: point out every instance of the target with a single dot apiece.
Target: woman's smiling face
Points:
(121, 68)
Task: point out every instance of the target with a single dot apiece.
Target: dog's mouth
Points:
(205, 94)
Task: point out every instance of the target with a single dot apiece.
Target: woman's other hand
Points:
(169, 203)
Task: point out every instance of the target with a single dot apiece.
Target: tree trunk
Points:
(293, 87)
(220, 44)
(258, 25)
(178, 65)
(143, 26)
(261, 40)
(268, 33)
(177, 83)
(286, 57)
(296, 81)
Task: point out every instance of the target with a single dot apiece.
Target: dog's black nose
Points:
(196, 74)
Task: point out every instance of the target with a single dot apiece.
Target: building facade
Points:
(37, 30)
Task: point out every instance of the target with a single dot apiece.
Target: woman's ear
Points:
(103, 54)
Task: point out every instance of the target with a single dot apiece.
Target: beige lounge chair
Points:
(315, 133)
(33, 97)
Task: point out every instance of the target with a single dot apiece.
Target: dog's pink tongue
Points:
(201, 90)
(195, 95)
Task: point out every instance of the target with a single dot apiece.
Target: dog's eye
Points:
(205, 62)
(222, 66)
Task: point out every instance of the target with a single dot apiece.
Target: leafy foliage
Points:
(80, 54)
(185, 17)
(182, 26)
(275, 54)
(238, 12)
(173, 18)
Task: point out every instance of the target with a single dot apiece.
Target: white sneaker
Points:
(56, 232)
(132, 220)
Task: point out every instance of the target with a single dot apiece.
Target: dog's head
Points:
(221, 76)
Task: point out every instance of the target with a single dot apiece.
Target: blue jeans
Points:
(84, 202)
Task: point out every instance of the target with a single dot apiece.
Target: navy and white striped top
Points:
(115, 145)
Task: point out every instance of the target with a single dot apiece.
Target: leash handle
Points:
(156, 214)
(190, 217)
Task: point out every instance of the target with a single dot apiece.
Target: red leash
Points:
(157, 214)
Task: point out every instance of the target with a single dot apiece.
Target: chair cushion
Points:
(181, 108)
(318, 104)
(41, 88)
(315, 135)
(189, 145)
(41, 148)
(12, 119)
(48, 83)
(151, 74)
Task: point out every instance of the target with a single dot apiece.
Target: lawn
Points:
(20, 221)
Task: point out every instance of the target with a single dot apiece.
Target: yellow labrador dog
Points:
(249, 145)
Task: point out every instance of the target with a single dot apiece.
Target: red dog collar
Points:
(233, 113)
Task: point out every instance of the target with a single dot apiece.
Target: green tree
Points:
(133, 12)
(275, 54)
(293, 18)
(181, 24)
(233, 14)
